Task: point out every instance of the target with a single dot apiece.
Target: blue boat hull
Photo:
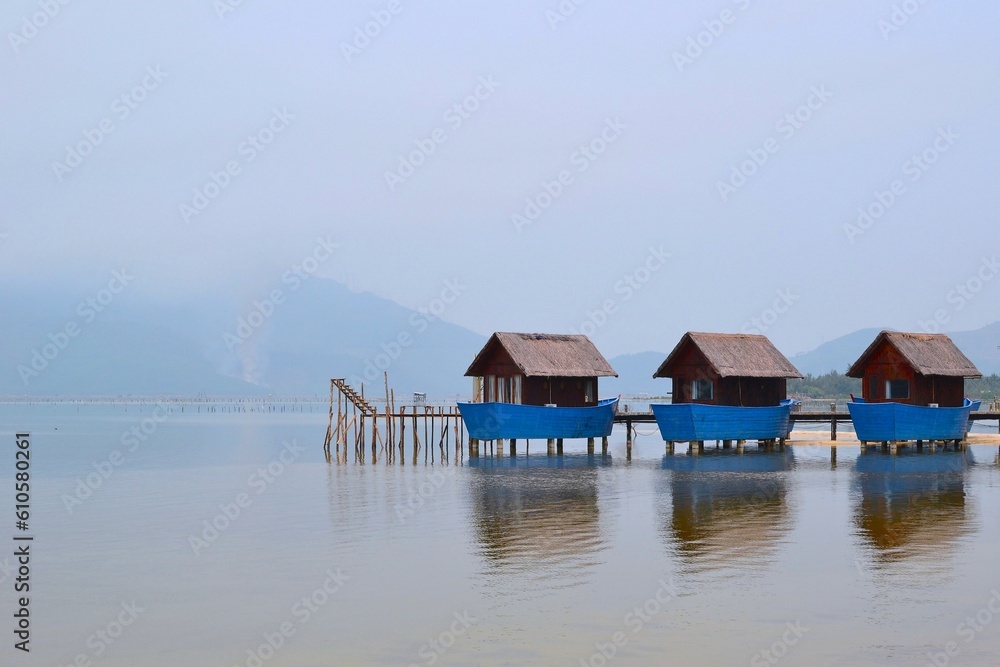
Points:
(693, 421)
(896, 421)
(495, 421)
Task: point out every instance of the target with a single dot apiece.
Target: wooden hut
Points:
(540, 369)
(917, 369)
(743, 370)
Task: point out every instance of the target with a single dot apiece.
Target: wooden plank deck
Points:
(820, 417)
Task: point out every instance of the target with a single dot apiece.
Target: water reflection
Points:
(726, 508)
(912, 504)
(539, 513)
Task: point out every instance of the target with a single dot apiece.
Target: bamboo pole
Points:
(416, 439)
(402, 436)
(329, 423)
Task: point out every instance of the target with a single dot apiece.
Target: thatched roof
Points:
(733, 355)
(546, 355)
(928, 354)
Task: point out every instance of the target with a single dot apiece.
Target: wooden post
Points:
(694, 448)
(329, 425)
(559, 446)
(833, 428)
(473, 448)
(833, 456)
(402, 435)
(628, 434)
(499, 448)
(551, 446)
(513, 448)
(727, 444)
(590, 445)
(362, 429)
(415, 439)
(604, 444)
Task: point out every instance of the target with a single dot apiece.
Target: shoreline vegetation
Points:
(834, 385)
(831, 386)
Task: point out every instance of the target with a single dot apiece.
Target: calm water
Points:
(709, 561)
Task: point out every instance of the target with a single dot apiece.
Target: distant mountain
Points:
(324, 329)
(635, 376)
(982, 346)
(58, 345)
(54, 345)
(835, 355)
(141, 346)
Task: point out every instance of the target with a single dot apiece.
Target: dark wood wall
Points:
(691, 365)
(744, 392)
(499, 363)
(885, 363)
(563, 391)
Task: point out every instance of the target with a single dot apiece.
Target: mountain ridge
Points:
(146, 346)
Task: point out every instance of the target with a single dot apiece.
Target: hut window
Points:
(701, 390)
(897, 388)
(506, 390)
(588, 392)
(516, 396)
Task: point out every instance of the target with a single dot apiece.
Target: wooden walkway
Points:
(354, 422)
(820, 417)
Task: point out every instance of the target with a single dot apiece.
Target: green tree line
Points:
(835, 385)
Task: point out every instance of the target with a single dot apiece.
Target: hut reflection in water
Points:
(912, 504)
(727, 508)
(537, 511)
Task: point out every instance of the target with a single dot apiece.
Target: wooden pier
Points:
(832, 417)
(353, 418)
(438, 431)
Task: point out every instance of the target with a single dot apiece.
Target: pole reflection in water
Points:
(912, 505)
(727, 509)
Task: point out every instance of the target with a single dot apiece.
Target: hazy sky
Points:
(716, 153)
